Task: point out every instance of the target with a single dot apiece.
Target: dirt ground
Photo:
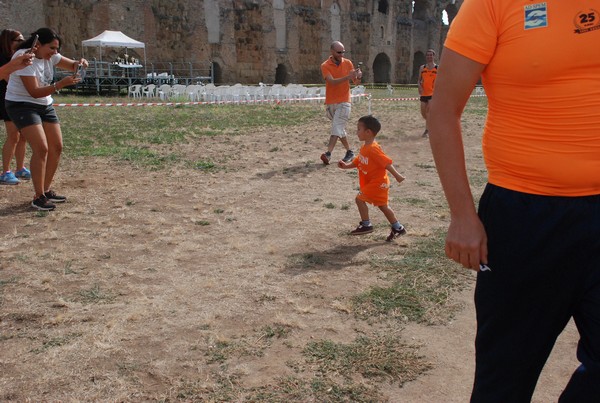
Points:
(125, 292)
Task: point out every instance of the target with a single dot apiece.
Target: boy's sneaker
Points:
(9, 178)
(53, 197)
(396, 233)
(362, 229)
(325, 157)
(349, 156)
(23, 173)
(42, 203)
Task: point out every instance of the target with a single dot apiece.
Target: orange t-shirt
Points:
(542, 79)
(372, 175)
(428, 80)
(337, 93)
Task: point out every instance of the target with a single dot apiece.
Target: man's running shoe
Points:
(325, 157)
(349, 156)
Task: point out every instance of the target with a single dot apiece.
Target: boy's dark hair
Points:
(371, 123)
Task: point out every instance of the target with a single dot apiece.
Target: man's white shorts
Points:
(339, 114)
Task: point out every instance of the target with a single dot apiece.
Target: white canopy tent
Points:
(113, 39)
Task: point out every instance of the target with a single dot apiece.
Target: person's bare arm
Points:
(392, 169)
(466, 242)
(352, 76)
(346, 165)
(15, 64)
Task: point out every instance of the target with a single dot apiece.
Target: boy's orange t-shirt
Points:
(428, 80)
(338, 93)
(542, 78)
(372, 174)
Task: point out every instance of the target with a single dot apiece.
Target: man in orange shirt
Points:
(427, 75)
(373, 166)
(338, 72)
(535, 240)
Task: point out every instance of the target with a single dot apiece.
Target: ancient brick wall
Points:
(251, 41)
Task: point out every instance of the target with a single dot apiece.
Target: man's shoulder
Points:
(327, 61)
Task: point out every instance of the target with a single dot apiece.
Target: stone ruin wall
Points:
(252, 41)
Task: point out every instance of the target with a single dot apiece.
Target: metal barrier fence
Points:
(109, 78)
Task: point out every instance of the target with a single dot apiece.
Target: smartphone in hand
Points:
(80, 72)
(34, 44)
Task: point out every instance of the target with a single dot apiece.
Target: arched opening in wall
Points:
(217, 73)
(418, 61)
(281, 74)
(451, 11)
(420, 9)
(383, 6)
(381, 69)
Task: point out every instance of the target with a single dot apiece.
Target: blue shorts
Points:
(25, 114)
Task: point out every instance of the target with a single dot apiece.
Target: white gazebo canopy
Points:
(113, 39)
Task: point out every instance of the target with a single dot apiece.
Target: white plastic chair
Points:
(149, 91)
(178, 90)
(357, 92)
(164, 91)
(135, 91)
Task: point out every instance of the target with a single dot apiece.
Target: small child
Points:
(373, 165)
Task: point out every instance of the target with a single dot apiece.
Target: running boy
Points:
(373, 165)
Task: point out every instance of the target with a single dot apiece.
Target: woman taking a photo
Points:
(29, 105)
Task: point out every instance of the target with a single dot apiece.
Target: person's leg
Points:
(526, 300)
(424, 110)
(424, 113)
(345, 143)
(363, 209)
(20, 151)
(8, 150)
(584, 385)
(389, 213)
(332, 142)
(36, 138)
(340, 121)
(55, 147)
(365, 226)
(397, 228)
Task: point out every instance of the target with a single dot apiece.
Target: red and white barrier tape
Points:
(258, 101)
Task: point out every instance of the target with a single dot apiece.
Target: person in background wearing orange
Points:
(427, 75)
(338, 72)
(15, 144)
(373, 166)
(535, 239)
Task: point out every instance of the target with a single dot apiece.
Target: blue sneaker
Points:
(23, 173)
(9, 178)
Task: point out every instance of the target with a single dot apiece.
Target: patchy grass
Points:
(421, 283)
(380, 357)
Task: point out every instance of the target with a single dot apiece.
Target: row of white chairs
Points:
(224, 93)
